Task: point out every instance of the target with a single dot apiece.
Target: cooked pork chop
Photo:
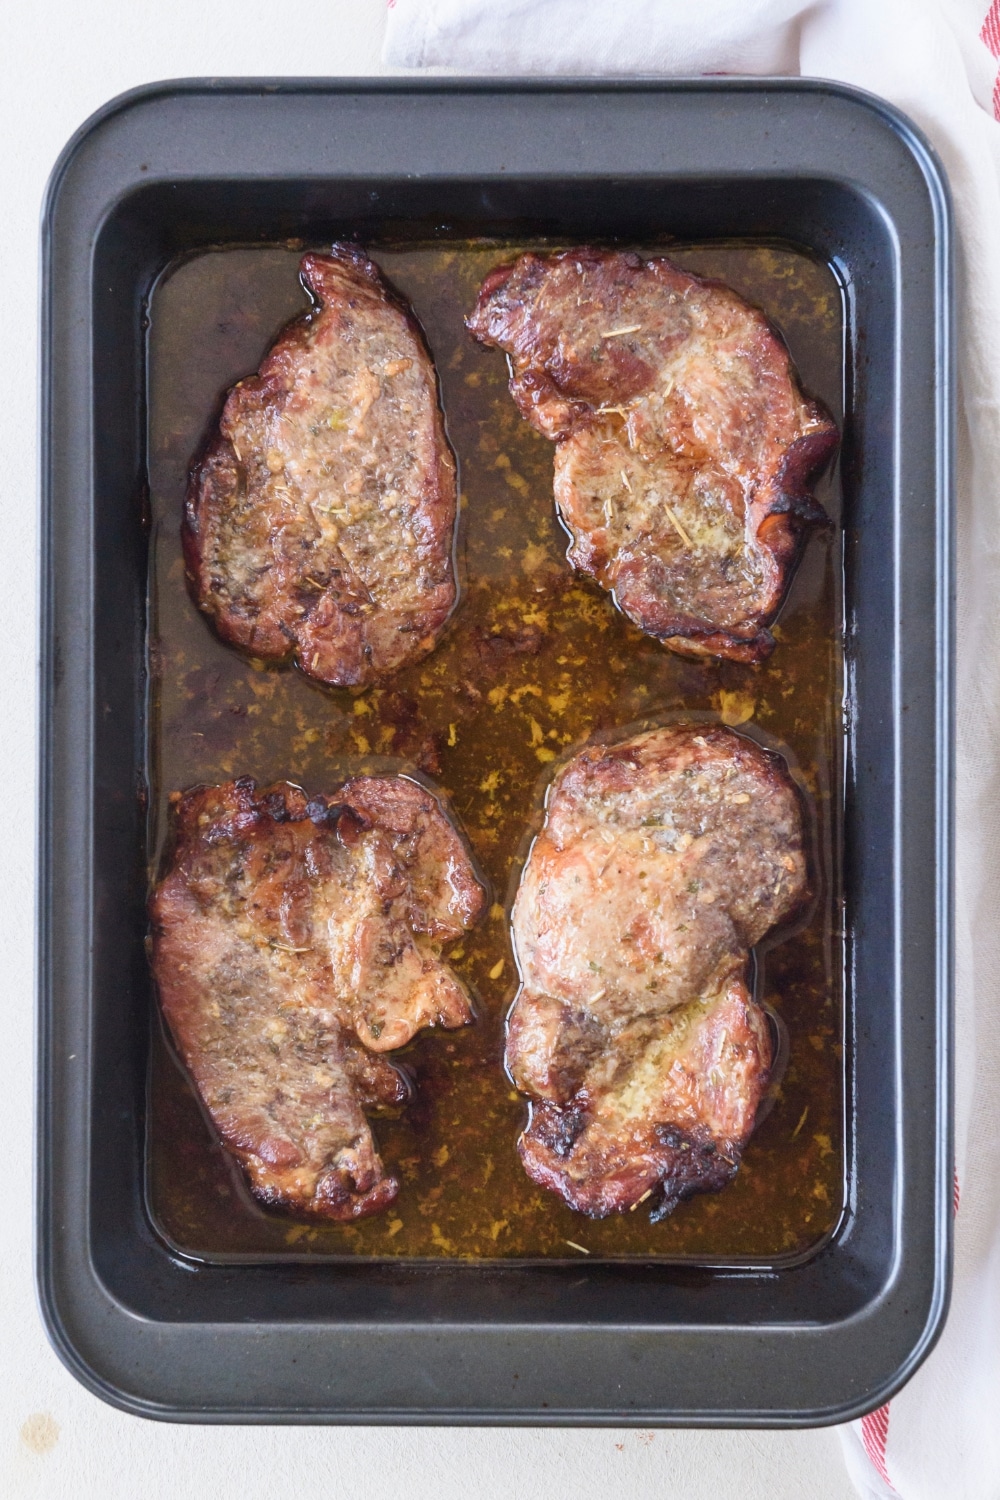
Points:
(683, 442)
(320, 521)
(294, 942)
(662, 861)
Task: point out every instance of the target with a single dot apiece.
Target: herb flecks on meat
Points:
(684, 445)
(295, 943)
(320, 520)
(663, 860)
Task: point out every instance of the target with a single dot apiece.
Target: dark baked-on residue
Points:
(295, 943)
(320, 520)
(684, 445)
(662, 861)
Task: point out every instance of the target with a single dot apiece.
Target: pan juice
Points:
(534, 661)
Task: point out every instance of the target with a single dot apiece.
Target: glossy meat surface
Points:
(663, 860)
(294, 943)
(320, 521)
(683, 442)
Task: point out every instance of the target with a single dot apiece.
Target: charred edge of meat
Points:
(557, 1127)
(698, 1166)
(348, 821)
(750, 652)
(238, 808)
(381, 1085)
(803, 462)
(249, 808)
(336, 1197)
(666, 1163)
(688, 635)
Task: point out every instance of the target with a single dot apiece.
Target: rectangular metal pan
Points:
(173, 168)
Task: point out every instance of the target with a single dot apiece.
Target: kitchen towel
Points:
(939, 1438)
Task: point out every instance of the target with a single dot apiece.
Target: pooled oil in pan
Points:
(534, 661)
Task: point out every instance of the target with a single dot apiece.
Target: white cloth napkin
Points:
(583, 37)
(939, 1438)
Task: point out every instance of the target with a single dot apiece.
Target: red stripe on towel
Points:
(990, 33)
(874, 1436)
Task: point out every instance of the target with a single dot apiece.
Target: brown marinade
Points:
(533, 661)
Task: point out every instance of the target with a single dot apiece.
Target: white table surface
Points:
(61, 62)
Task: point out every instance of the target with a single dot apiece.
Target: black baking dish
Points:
(176, 167)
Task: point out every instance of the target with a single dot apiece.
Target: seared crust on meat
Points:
(684, 445)
(294, 942)
(663, 860)
(320, 520)
(673, 1117)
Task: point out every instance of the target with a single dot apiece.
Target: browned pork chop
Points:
(683, 442)
(320, 521)
(662, 861)
(295, 942)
